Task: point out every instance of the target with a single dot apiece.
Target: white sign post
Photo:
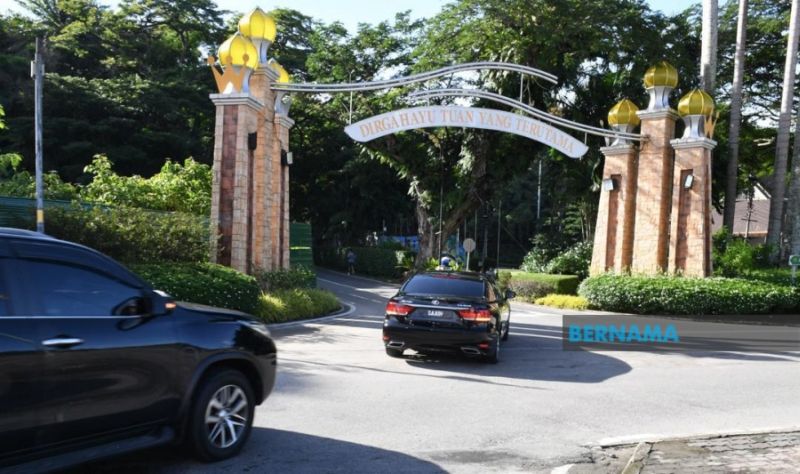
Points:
(794, 261)
(469, 246)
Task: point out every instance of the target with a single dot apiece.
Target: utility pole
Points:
(499, 223)
(539, 195)
(37, 72)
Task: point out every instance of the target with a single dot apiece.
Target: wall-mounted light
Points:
(609, 184)
(286, 158)
(687, 182)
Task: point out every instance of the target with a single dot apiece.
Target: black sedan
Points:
(94, 362)
(448, 311)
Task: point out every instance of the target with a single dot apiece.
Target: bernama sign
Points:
(466, 117)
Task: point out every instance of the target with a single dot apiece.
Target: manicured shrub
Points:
(133, 235)
(531, 289)
(289, 305)
(573, 261)
(535, 285)
(688, 296)
(204, 283)
(563, 301)
(286, 279)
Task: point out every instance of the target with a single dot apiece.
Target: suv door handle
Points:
(62, 342)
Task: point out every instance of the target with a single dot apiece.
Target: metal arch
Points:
(429, 94)
(414, 78)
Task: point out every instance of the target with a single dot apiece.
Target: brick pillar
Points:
(613, 237)
(690, 235)
(264, 189)
(236, 118)
(654, 192)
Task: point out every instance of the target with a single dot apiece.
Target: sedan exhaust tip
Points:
(470, 351)
(395, 344)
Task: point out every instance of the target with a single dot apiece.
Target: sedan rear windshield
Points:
(443, 285)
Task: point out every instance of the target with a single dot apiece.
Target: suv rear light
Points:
(395, 309)
(477, 315)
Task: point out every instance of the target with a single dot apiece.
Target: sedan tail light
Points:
(477, 315)
(396, 309)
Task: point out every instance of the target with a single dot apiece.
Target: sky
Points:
(353, 12)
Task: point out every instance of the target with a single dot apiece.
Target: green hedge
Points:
(132, 235)
(204, 283)
(286, 279)
(536, 285)
(563, 302)
(299, 303)
(688, 296)
(375, 261)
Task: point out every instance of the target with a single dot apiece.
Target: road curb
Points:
(346, 310)
(636, 461)
(652, 439)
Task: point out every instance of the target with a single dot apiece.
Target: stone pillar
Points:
(263, 185)
(231, 199)
(690, 235)
(613, 238)
(654, 192)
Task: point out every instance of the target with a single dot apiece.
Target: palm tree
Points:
(708, 54)
(782, 142)
(736, 118)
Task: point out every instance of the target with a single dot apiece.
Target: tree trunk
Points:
(424, 232)
(732, 179)
(708, 54)
(782, 143)
(793, 211)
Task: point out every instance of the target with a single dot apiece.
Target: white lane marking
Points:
(562, 469)
(368, 299)
(315, 320)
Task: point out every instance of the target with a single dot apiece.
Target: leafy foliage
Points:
(573, 261)
(203, 283)
(563, 301)
(181, 188)
(536, 285)
(133, 235)
(688, 296)
(299, 303)
(286, 279)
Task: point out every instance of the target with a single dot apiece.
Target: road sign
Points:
(794, 260)
(469, 245)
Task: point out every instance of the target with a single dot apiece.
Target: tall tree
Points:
(708, 55)
(732, 178)
(784, 123)
(793, 211)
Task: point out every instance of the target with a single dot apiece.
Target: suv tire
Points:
(221, 417)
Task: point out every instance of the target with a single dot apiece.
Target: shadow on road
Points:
(270, 450)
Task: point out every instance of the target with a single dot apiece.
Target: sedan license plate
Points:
(435, 313)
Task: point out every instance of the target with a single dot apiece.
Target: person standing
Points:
(350, 256)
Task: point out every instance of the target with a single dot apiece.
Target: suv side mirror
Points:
(161, 303)
(510, 294)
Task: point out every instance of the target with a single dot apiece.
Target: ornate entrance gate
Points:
(250, 212)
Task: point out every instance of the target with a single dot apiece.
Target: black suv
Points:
(448, 311)
(94, 362)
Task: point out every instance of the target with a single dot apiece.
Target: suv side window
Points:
(60, 289)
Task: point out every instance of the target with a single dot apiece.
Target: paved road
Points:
(342, 405)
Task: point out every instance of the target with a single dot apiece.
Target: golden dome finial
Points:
(659, 80)
(623, 113)
(260, 28)
(661, 74)
(696, 102)
(697, 110)
(238, 51)
(283, 74)
(258, 25)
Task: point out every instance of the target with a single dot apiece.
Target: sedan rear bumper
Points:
(398, 335)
